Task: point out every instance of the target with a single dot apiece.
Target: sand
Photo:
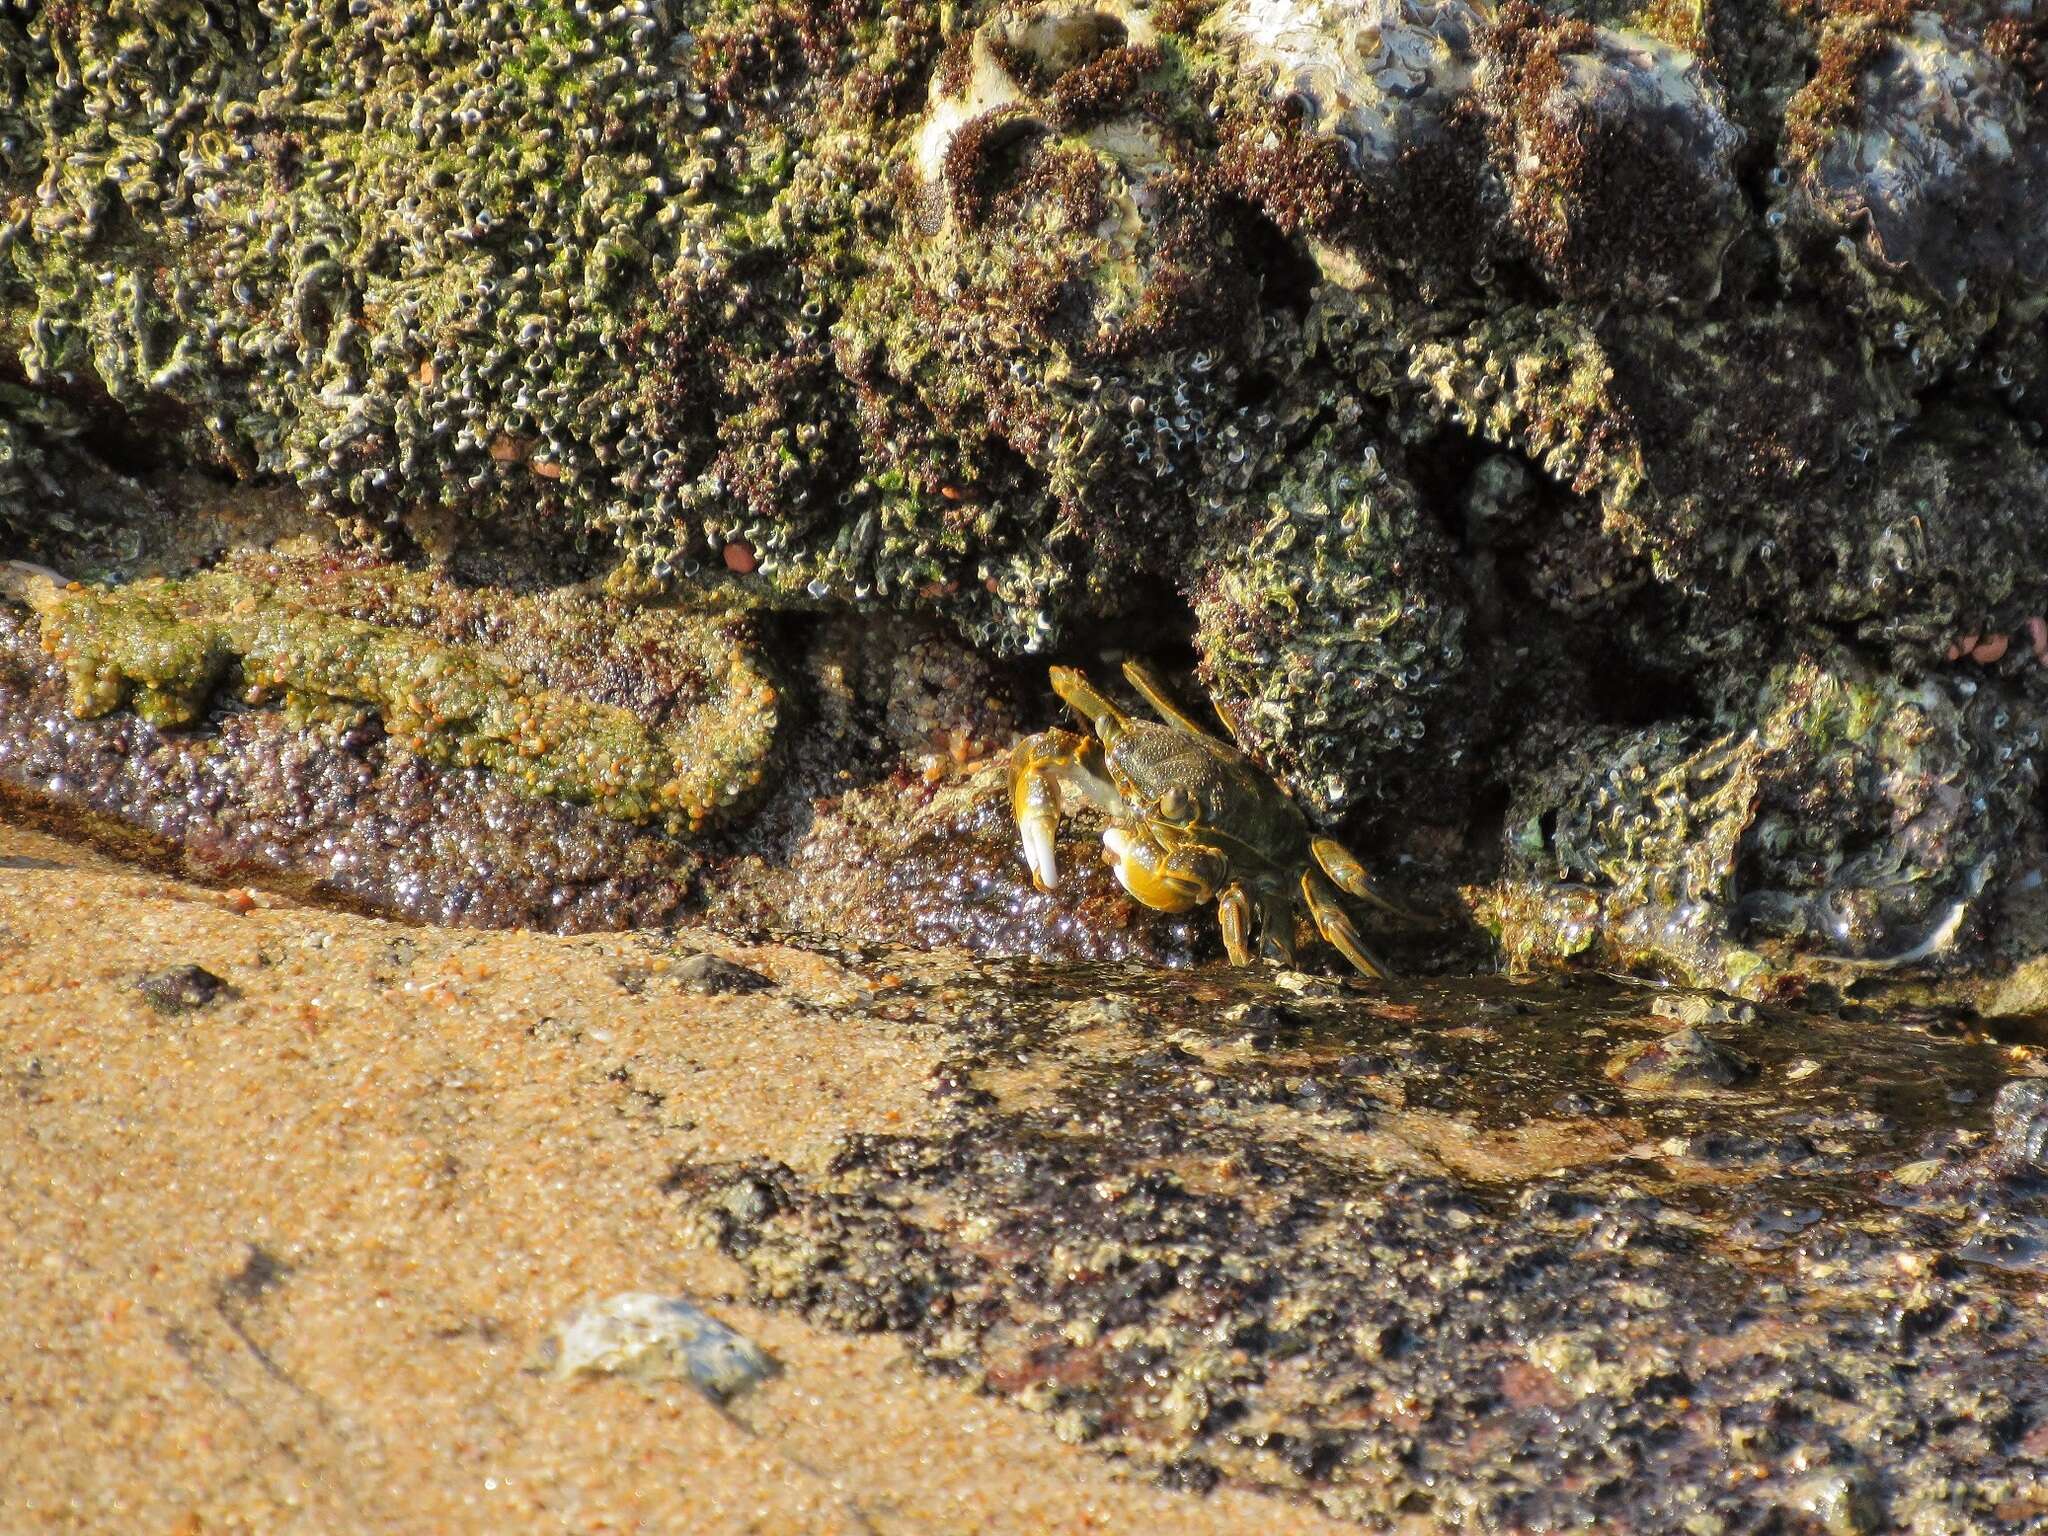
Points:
(281, 1262)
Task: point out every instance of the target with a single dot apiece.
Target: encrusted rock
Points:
(1917, 159)
(1333, 637)
(1825, 820)
(561, 697)
(1618, 157)
(1684, 1061)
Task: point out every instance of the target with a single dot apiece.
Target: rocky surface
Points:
(1496, 407)
(1480, 1257)
(1032, 1247)
(595, 467)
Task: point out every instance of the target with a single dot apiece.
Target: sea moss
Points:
(525, 698)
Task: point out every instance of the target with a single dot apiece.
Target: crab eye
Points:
(1176, 805)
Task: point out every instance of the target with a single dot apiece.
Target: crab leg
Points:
(1234, 917)
(1344, 868)
(1081, 696)
(1153, 687)
(1041, 767)
(1335, 927)
(1276, 928)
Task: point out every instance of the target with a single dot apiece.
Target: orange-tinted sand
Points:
(281, 1263)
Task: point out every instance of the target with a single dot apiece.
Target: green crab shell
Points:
(1233, 805)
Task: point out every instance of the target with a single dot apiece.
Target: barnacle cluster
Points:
(1358, 133)
(1074, 297)
(1603, 158)
(650, 716)
(432, 253)
(1838, 814)
(1332, 638)
(1617, 155)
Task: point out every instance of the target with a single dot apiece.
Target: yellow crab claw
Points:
(1043, 769)
(1036, 833)
(1164, 881)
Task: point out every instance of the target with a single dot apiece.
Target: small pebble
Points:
(2019, 1123)
(1684, 1061)
(655, 1338)
(181, 989)
(708, 974)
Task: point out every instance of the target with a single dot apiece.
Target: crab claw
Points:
(1343, 868)
(1036, 834)
(1164, 880)
(1035, 801)
(1040, 766)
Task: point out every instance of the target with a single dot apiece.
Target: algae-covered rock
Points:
(1836, 824)
(642, 716)
(1914, 160)
(332, 809)
(1668, 350)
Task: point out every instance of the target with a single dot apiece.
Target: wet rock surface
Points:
(341, 814)
(937, 864)
(1462, 388)
(345, 813)
(1417, 1255)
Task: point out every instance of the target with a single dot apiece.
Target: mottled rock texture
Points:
(1495, 406)
(1476, 1257)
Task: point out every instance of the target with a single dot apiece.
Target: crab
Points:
(1191, 820)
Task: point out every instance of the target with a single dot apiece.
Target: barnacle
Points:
(648, 716)
(1333, 637)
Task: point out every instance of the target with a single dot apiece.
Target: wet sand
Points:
(281, 1262)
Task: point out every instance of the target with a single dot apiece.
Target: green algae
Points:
(1029, 316)
(168, 648)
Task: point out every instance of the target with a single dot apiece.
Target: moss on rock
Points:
(509, 684)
